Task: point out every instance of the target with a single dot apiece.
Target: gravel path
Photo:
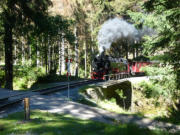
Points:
(59, 103)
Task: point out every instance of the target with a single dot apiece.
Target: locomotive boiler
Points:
(104, 65)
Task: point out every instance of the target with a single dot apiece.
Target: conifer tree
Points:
(15, 15)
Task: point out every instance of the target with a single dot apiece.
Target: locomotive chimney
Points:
(102, 55)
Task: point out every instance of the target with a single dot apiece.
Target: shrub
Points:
(162, 83)
(151, 90)
(54, 78)
(25, 75)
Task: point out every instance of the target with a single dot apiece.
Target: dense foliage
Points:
(45, 40)
(163, 16)
(26, 28)
(38, 36)
(162, 83)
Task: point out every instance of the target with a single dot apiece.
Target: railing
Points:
(116, 76)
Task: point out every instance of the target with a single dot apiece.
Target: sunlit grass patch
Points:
(111, 105)
(44, 123)
(95, 94)
(173, 116)
(153, 108)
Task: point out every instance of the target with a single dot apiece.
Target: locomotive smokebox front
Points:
(101, 66)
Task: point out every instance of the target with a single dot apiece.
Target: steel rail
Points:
(44, 91)
(63, 87)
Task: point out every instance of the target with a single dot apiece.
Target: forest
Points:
(38, 37)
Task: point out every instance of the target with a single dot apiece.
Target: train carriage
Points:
(135, 67)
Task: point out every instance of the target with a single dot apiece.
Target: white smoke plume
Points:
(113, 30)
(147, 31)
(116, 29)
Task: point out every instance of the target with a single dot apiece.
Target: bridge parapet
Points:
(120, 90)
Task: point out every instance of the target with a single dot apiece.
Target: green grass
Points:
(44, 123)
(47, 81)
(174, 117)
(147, 109)
(109, 105)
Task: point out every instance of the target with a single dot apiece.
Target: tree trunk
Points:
(8, 41)
(46, 59)
(59, 52)
(137, 52)
(23, 52)
(42, 53)
(127, 50)
(15, 49)
(134, 55)
(49, 56)
(63, 54)
(53, 61)
(85, 60)
(76, 53)
(1, 52)
(30, 51)
(91, 47)
(38, 55)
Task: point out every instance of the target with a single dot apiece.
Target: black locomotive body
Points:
(104, 65)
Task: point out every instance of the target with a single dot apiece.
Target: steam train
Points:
(104, 66)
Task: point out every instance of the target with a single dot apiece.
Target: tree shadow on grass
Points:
(53, 124)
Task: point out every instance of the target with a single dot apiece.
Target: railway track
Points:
(62, 87)
(16, 98)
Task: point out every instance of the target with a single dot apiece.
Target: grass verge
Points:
(44, 123)
(142, 106)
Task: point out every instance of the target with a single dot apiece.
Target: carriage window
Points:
(137, 65)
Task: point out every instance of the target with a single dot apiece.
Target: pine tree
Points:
(167, 13)
(15, 15)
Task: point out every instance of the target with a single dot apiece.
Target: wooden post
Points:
(26, 109)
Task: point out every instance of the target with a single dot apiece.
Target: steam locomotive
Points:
(104, 66)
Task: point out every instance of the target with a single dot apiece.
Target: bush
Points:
(25, 76)
(151, 90)
(54, 78)
(162, 83)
